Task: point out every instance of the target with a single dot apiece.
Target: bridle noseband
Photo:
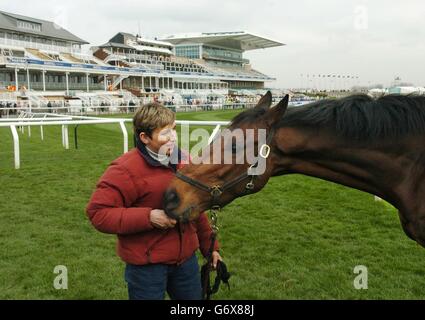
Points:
(217, 190)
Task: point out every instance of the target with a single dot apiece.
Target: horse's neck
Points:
(368, 169)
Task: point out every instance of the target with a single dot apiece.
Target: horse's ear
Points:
(276, 113)
(265, 101)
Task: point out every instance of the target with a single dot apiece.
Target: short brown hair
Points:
(150, 117)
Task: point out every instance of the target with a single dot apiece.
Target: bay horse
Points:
(373, 145)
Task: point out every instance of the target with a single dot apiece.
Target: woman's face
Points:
(162, 141)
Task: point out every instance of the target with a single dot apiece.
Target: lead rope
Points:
(222, 274)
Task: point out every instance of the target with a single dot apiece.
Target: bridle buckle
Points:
(250, 186)
(216, 191)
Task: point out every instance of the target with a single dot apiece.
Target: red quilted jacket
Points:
(130, 188)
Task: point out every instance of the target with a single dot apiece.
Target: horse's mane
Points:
(362, 118)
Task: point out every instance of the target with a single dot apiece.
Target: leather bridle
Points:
(217, 190)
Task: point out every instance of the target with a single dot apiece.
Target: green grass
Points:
(299, 238)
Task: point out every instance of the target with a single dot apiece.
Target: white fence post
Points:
(65, 140)
(41, 130)
(16, 147)
(66, 137)
(125, 135)
(63, 135)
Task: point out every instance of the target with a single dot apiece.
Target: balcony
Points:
(115, 57)
(62, 86)
(38, 86)
(36, 45)
(208, 56)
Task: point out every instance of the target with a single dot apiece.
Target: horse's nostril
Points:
(171, 199)
(171, 196)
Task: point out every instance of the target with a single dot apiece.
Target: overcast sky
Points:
(376, 39)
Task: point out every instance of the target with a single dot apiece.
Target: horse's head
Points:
(235, 163)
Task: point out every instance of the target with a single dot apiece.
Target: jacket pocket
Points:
(153, 243)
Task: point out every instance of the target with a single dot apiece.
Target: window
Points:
(27, 25)
(191, 52)
(223, 53)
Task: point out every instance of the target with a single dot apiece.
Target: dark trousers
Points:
(150, 282)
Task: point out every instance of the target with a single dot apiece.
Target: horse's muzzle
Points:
(171, 202)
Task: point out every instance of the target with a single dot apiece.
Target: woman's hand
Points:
(215, 258)
(160, 220)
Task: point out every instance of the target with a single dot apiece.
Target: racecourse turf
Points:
(299, 238)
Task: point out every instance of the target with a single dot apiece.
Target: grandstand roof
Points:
(155, 42)
(9, 21)
(239, 40)
(152, 49)
(115, 45)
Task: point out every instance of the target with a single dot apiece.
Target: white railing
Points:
(143, 60)
(36, 45)
(37, 100)
(92, 106)
(119, 80)
(9, 96)
(21, 123)
(129, 96)
(29, 120)
(115, 56)
(83, 56)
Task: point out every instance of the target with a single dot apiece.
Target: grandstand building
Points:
(40, 60)
(221, 53)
